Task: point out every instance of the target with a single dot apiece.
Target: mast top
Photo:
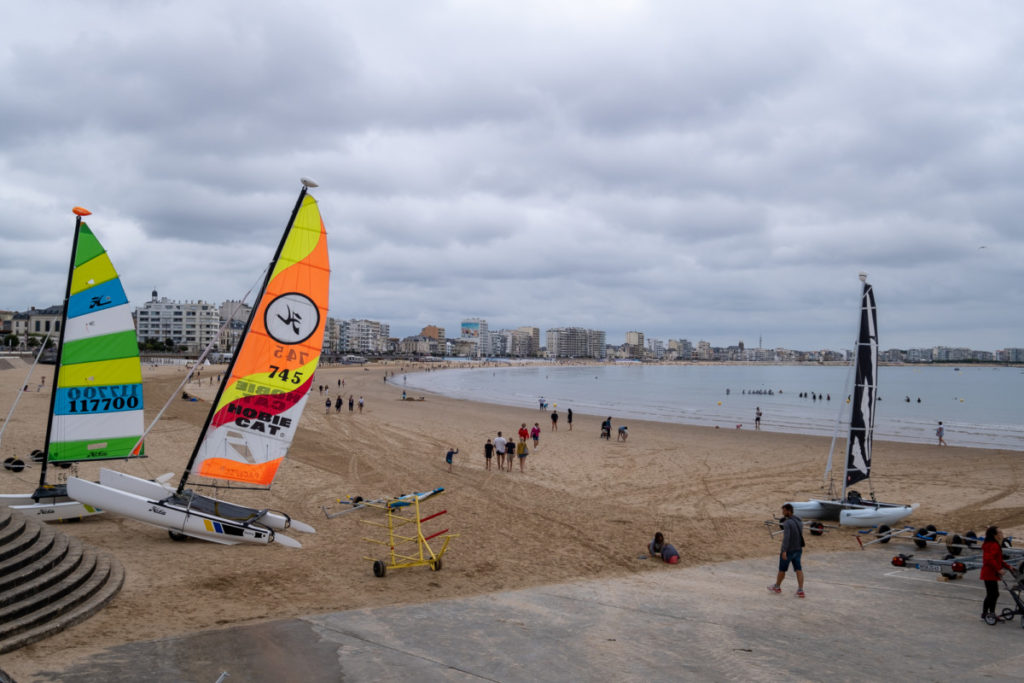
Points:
(308, 183)
(79, 211)
(863, 276)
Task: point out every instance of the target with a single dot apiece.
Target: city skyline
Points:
(455, 332)
(645, 165)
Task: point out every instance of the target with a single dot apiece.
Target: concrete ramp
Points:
(862, 619)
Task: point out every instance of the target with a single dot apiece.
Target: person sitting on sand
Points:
(659, 548)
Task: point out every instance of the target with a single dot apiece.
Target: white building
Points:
(575, 342)
(364, 336)
(191, 324)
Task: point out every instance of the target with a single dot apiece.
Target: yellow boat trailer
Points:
(401, 549)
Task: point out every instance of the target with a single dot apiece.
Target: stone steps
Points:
(48, 580)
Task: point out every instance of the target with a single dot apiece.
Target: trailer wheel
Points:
(379, 569)
(7, 462)
(16, 465)
(921, 538)
(932, 535)
(953, 544)
(177, 536)
(883, 533)
(970, 538)
(817, 528)
(37, 455)
(1007, 543)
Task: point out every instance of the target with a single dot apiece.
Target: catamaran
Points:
(257, 408)
(96, 410)
(848, 508)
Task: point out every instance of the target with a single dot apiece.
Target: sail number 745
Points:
(291, 356)
(285, 375)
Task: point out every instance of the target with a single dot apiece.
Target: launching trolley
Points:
(406, 544)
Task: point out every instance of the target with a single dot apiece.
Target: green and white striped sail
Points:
(97, 413)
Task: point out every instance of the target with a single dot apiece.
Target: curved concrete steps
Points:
(48, 580)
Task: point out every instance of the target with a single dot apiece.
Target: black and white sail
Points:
(865, 388)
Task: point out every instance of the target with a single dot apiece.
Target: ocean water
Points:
(981, 407)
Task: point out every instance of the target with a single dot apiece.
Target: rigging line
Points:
(24, 384)
(197, 364)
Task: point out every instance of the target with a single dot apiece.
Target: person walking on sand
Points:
(328, 405)
(360, 405)
(535, 434)
(757, 419)
(522, 451)
(488, 454)
(524, 433)
(337, 404)
(351, 403)
(941, 432)
(554, 420)
(568, 418)
(992, 568)
(450, 456)
(499, 448)
(791, 552)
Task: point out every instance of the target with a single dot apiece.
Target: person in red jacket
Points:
(992, 566)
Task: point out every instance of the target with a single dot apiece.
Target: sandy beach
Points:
(584, 507)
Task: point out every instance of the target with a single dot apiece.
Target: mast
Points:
(306, 184)
(79, 213)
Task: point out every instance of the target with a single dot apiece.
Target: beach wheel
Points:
(931, 532)
(817, 528)
(177, 535)
(435, 565)
(379, 569)
(37, 455)
(970, 538)
(883, 533)
(7, 462)
(953, 543)
(921, 538)
(15, 465)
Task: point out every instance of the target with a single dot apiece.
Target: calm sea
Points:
(979, 406)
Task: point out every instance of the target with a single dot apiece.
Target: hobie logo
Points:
(291, 318)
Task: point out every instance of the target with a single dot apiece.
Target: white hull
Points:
(148, 501)
(57, 509)
(864, 514)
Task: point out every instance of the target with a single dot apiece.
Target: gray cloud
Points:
(708, 172)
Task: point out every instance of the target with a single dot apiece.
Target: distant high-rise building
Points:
(635, 344)
(475, 330)
(575, 342)
(364, 336)
(534, 344)
(193, 325)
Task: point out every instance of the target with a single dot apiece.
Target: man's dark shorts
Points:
(792, 556)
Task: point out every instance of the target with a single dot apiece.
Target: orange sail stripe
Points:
(261, 474)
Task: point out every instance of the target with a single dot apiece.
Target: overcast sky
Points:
(716, 171)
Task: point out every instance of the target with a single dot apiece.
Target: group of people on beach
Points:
(339, 402)
(505, 449)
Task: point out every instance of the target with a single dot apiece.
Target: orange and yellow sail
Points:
(258, 411)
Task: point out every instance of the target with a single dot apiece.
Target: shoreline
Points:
(583, 509)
